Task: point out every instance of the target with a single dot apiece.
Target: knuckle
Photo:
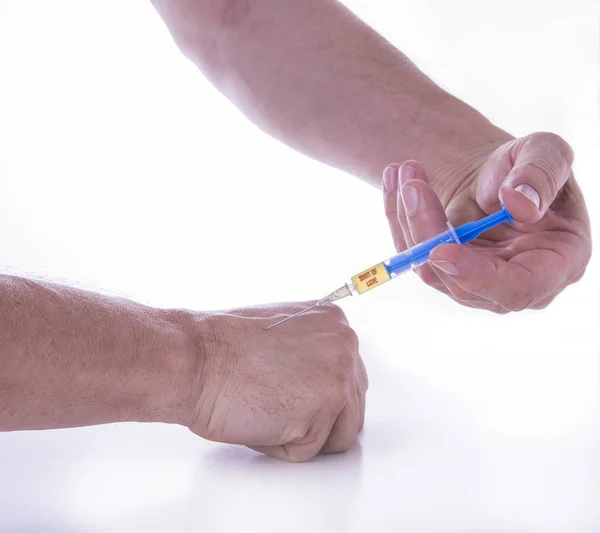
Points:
(336, 403)
(578, 277)
(549, 178)
(557, 143)
(554, 160)
(351, 336)
(568, 152)
(546, 137)
(297, 433)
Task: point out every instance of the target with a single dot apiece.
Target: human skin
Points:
(313, 75)
(73, 358)
(509, 268)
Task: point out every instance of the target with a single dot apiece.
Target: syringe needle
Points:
(409, 259)
(342, 292)
(290, 317)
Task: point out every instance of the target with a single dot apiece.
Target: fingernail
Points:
(410, 197)
(530, 193)
(407, 173)
(449, 267)
(390, 178)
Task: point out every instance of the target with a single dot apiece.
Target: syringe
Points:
(410, 259)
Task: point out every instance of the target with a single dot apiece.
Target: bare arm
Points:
(71, 358)
(313, 75)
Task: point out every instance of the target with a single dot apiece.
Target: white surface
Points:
(124, 171)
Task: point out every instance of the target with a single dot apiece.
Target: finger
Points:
(426, 218)
(514, 285)
(460, 294)
(542, 165)
(390, 188)
(362, 370)
(394, 176)
(492, 174)
(432, 278)
(362, 385)
(424, 211)
(446, 285)
(409, 171)
(413, 170)
(526, 174)
(360, 399)
(308, 445)
(484, 304)
(344, 431)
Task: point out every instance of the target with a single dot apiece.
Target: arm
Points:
(313, 75)
(73, 358)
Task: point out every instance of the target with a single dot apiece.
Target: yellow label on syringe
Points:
(370, 278)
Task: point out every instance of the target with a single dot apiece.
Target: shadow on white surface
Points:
(48, 524)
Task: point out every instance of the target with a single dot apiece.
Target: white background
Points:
(124, 171)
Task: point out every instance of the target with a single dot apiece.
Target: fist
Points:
(290, 392)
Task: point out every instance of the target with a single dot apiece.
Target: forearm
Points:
(313, 75)
(72, 358)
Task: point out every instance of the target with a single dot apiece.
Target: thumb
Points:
(541, 166)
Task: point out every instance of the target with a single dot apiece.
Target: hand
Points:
(291, 392)
(507, 268)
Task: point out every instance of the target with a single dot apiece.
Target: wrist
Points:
(212, 339)
(180, 366)
(448, 137)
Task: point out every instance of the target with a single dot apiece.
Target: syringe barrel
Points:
(394, 266)
(418, 255)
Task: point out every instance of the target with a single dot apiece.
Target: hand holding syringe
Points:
(409, 259)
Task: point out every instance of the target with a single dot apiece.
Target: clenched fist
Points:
(291, 392)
